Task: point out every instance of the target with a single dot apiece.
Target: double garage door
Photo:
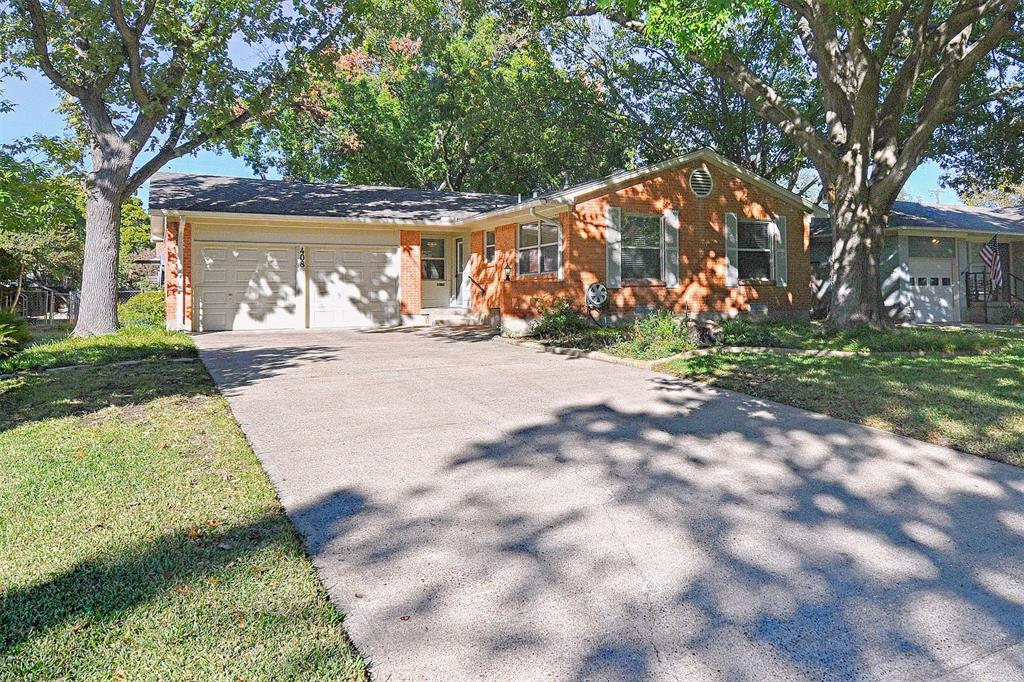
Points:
(263, 286)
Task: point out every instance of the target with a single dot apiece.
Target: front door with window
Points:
(436, 279)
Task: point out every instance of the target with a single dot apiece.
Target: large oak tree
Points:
(154, 80)
(890, 74)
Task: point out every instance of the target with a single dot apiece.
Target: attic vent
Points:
(700, 182)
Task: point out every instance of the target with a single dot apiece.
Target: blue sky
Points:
(33, 114)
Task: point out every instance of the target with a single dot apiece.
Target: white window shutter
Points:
(732, 243)
(670, 239)
(781, 256)
(613, 236)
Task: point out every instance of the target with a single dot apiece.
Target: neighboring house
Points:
(696, 233)
(932, 270)
(149, 263)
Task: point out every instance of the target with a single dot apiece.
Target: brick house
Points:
(696, 233)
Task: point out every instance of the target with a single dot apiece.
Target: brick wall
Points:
(186, 267)
(409, 241)
(702, 268)
(171, 274)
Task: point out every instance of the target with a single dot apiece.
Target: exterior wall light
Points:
(508, 273)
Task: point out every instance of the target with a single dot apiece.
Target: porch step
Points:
(455, 317)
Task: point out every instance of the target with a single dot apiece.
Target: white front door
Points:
(462, 274)
(434, 271)
(932, 290)
(353, 287)
(247, 287)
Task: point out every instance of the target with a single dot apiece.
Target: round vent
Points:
(700, 182)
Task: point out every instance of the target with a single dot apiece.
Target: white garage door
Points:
(353, 287)
(247, 287)
(932, 290)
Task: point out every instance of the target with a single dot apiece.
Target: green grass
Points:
(973, 403)
(141, 540)
(814, 336)
(130, 343)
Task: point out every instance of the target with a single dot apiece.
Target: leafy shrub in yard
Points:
(146, 309)
(1014, 314)
(656, 336)
(560, 320)
(14, 333)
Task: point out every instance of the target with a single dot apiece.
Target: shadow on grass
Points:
(81, 391)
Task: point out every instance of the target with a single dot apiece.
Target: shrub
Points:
(1014, 314)
(560, 320)
(14, 333)
(146, 309)
(657, 336)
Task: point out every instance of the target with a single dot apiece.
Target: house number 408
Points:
(302, 257)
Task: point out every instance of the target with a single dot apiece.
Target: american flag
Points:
(990, 254)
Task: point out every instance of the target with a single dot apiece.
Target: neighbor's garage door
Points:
(352, 287)
(247, 287)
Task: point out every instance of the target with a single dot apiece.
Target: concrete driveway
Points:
(483, 511)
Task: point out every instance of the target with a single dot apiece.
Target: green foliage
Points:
(147, 309)
(41, 221)
(1014, 314)
(14, 333)
(135, 238)
(655, 336)
(741, 332)
(129, 343)
(560, 320)
(141, 536)
(474, 102)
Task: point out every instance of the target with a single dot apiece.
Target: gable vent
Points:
(700, 182)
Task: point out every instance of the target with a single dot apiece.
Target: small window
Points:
(754, 251)
(922, 281)
(641, 247)
(930, 247)
(432, 260)
(489, 250)
(934, 281)
(539, 249)
(946, 281)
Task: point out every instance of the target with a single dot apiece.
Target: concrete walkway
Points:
(487, 512)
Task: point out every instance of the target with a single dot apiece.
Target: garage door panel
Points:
(248, 288)
(353, 288)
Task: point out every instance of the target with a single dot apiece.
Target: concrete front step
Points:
(455, 317)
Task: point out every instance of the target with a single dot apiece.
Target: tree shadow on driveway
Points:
(701, 535)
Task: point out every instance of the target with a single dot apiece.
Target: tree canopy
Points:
(445, 96)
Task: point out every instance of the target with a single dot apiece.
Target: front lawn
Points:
(130, 343)
(973, 403)
(139, 537)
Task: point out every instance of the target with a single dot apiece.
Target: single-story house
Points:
(932, 270)
(696, 233)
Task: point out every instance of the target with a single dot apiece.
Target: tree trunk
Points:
(856, 259)
(97, 313)
(17, 291)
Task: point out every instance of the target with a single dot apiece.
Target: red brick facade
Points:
(179, 254)
(411, 290)
(702, 267)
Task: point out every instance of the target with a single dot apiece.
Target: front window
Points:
(489, 250)
(539, 249)
(754, 251)
(641, 247)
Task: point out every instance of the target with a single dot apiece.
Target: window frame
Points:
(770, 250)
(490, 250)
(538, 247)
(661, 246)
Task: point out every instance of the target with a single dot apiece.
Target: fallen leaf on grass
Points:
(194, 533)
(181, 589)
(80, 454)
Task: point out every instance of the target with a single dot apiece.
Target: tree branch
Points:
(40, 42)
